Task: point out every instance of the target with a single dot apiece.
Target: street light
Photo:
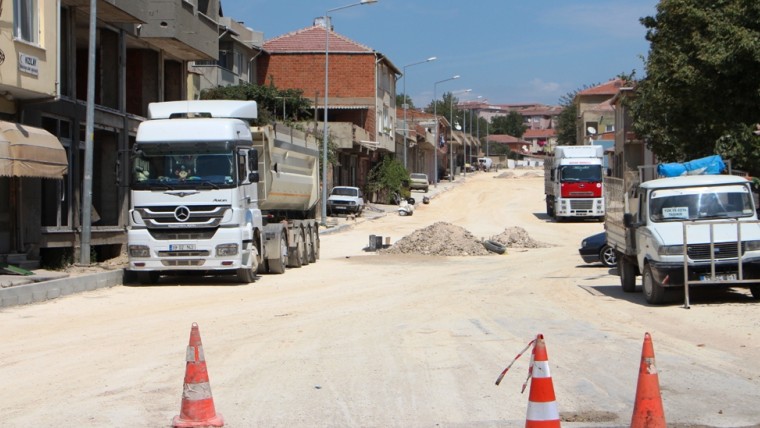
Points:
(406, 126)
(327, 86)
(451, 144)
(435, 116)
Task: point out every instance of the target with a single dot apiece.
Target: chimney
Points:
(320, 22)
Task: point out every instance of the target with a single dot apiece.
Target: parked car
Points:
(418, 181)
(345, 200)
(594, 249)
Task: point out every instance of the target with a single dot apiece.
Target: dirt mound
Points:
(517, 237)
(439, 239)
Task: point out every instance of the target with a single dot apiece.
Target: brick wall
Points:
(350, 75)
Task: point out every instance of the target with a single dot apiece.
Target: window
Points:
(25, 20)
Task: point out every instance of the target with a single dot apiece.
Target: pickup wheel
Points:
(654, 292)
(627, 274)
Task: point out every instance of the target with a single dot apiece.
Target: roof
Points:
(312, 40)
(609, 88)
(503, 138)
(539, 133)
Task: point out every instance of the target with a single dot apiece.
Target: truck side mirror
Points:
(253, 160)
(253, 177)
(628, 220)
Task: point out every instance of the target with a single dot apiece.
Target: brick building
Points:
(361, 103)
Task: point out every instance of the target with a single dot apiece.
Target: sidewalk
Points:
(46, 284)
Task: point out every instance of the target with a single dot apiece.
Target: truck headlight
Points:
(670, 250)
(139, 251)
(226, 250)
(751, 245)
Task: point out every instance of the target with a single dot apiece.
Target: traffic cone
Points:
(542, 405)
(197, 404)
(647, 411)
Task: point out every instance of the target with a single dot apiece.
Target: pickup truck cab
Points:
(345, 200)
(419, 181)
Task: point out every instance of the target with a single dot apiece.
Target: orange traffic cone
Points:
(542, 406)
(197, 404)
(647, 412)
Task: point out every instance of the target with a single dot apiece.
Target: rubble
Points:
(439, 239)
(517, 237)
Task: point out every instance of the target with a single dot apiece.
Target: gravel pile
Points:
(439, 239)
(517, 237)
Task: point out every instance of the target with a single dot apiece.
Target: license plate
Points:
(181, 247)
(719, 277)
(339, 207)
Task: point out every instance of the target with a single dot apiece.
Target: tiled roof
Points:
(504, 138)
(610, 88)
(539, 133)
(312, 39)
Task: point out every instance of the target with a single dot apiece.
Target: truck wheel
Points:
(550, 208)
(147, 277)
(627, 274)
(306, 239)
(246, 276)
(311, 247)
(315, 241)
(755, 289)
(279, 264)
(654, 292)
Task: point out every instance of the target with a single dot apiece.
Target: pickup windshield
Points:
(171, 170)
(696, 203)
(592, 173)
(345, 191)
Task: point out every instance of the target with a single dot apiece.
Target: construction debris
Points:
(439, 239)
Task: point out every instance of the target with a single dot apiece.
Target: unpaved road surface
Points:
(362, 339)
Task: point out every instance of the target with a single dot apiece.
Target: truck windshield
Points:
(172, 170)
(591, 173)
(732, 201)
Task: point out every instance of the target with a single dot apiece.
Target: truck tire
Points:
(311, 246)
(246, 276)
(627, 274)
(550, 207)
(654, 292)
(278, 264)
(315, 240)
(148, 277)
(306, 240)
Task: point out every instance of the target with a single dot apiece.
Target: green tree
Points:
(400, 101)
(702, 87)
(512, 124)
(270, 100)
(386, 178)
(567, 120)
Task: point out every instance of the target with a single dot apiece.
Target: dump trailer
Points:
(573, 182)
(212, 194)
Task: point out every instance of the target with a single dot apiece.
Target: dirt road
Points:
(370, 340)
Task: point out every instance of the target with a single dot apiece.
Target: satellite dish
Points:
(525, 148)
(591, 130)
(457, 126)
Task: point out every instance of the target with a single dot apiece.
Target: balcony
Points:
(180, 29)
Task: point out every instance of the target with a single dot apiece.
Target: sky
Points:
(505, 51)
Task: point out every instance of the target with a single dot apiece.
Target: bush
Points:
(388, 177)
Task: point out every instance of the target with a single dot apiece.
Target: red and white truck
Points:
(573, 177)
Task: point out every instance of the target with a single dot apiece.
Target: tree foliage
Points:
(270, 100)
(567, 119)
(387, 178)
(512, 124)
(702, 87)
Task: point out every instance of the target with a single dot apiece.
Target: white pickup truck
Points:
(683, 231)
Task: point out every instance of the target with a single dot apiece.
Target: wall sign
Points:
(28, 64)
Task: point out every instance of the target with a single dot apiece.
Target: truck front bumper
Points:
(672, 274)
(222, 252)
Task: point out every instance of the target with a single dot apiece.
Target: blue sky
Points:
(505, 51)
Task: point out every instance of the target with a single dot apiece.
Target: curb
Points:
(47, 290)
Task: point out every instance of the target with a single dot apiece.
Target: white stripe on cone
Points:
(543, 411)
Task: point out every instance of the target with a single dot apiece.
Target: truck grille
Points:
(186, 253)
(581, 204)
(192, 262)
(722, 250)
(182, 215)
(181, 234)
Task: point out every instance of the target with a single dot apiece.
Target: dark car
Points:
(594, 249)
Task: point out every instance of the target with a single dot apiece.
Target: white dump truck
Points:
(682, 231)
(214, 195)
(573, 182)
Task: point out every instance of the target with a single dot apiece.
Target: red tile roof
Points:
(312, 39)
(539, 133)
(504, 138)
(610, 88)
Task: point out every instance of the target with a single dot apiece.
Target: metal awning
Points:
(26, 151)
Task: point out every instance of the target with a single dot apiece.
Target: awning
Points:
(26, 151)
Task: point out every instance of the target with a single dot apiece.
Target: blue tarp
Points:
(703, 166)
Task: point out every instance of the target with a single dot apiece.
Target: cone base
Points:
(216, 421)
